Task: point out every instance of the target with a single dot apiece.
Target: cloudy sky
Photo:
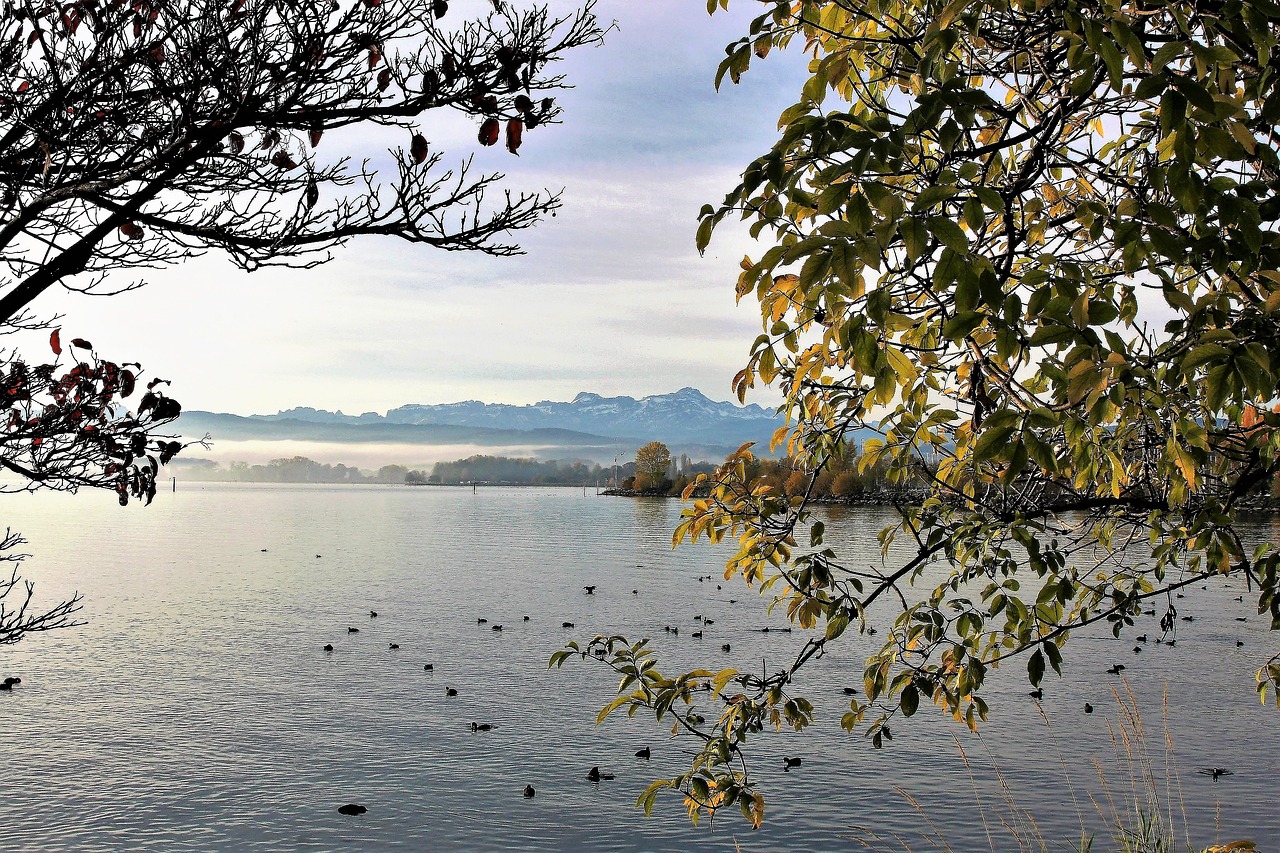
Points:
(612, 296)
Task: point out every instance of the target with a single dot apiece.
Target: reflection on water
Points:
(198, 711)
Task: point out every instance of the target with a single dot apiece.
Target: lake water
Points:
(196, 709)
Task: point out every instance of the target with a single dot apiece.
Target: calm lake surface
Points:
(197, 711)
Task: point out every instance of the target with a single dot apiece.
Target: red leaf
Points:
(514, 128)
(55, 342)
(440, 7)
(384, 79)
(24, 86)
(282, 160)
(375, 56)
(237, 142)
(131, 231)
(418, 148)
(316, 133)
(82, 343)
(523, 104)
(313, 194)
(489, 131)
(373, 4)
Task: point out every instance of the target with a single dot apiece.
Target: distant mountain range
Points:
(686, 420)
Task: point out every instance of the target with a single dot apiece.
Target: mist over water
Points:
(197, 711)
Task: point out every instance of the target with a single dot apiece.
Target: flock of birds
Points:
(596, 775)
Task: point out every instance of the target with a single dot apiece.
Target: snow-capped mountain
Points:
(685, 416)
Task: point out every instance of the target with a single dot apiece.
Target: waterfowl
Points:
(1137, 649)
(482, 621)
(725, 647)
(1115, 670)
(733, 601)
(566, 624)
(1239, 643)
(449, 691)
(697, 635)
(1088, 709)
(1214, 772)
(849, 691)
(328, 647)
(481, 727)
(13, 679)
(788, 763)
(6, 686)
(595, 775)
(591, 590)
(353, 630)
(643, 753)
(528, 791)
(1188, 618)
(1141, 638)
(526, 618)
(635, 592)
(351, 808)
(373, 614)
(496, 628)
(429, 667)
(393, 645)
(708, 621)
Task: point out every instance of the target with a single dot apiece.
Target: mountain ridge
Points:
(681, 417)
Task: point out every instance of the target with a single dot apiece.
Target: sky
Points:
(611, 297)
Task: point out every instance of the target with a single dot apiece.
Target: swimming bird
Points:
(496, 628)
(528, 791)
(788, 763)
(697, 635)
(849, 691)
(373, 614)
(1242, 618)
(13, 679)
(1088, 709)
(1188, 618)
(698, 618)
(1115, 669)
(591, 590)
(263, 550)
(635, 592)
(526, 618)
(1239, 643)
(317, 556)
(1137, 649)
(353, 630)
(1215, 772)
(708, 621)
(6, 686)
(1141, 638)
(733, 601)
(595, 775)
(481, 727)
(675, 630)
(351, 808)
(328, 647)
(393, 645)
(482, 621)
(643, 753)
(450, 691)
(725, 647)
(429, 667)
(1239, 598)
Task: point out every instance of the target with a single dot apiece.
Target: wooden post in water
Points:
(175, 484)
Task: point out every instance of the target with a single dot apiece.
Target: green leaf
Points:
(949, 234)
